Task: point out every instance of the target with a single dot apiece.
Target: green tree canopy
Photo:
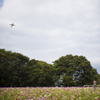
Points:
(77, 67)
(12, 68)
(17, 70)
(40, 73)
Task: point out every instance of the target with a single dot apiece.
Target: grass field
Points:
(49, 93)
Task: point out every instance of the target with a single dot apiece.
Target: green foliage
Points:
(76, 67)
(40, 73)
(12, 68)
(68, 81)
(16, 70)
(98, 80)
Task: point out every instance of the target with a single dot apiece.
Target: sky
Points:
(49, 29)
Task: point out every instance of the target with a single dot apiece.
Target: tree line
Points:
(17, 70)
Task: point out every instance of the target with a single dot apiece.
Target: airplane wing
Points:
(12, 24)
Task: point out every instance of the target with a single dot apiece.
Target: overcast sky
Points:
(48, 29)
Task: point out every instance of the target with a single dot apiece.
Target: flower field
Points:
(49, 93)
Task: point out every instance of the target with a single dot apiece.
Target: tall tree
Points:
(12, 68)
(77, 67)
(40, 73)
(17, 70)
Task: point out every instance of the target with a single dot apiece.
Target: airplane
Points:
(12, 24)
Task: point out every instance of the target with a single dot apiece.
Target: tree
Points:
(96, 76)
(40, 73)
(12, 68)
(17, 70)
(68, 81)
(98, 80)
(76, 67)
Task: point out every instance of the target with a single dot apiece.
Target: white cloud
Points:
(48, 29)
